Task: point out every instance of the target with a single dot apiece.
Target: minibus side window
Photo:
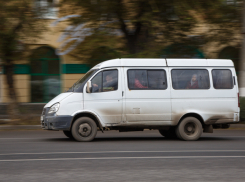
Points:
(147, 79)
(222, 79)
(105, 81)
(190, 79)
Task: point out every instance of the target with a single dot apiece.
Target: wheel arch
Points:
(192, 114)
(87, 114)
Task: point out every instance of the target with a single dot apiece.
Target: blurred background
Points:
(47, 45)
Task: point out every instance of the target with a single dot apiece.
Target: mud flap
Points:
(208, 129)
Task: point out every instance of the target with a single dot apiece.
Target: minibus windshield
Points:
(78, 86)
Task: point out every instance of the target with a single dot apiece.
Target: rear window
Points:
(222, 79)
(190, 79)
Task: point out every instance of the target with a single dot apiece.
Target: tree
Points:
(20, 20)
(242, 56)
(145, 24)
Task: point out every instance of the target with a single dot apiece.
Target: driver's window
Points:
(97, 83)
(105, 81)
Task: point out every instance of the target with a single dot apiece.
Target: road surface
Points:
(130, 156)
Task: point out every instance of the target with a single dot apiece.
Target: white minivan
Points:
(179, 97)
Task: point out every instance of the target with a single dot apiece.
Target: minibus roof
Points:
(141, 62)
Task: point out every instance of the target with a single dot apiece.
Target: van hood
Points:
(58, 98)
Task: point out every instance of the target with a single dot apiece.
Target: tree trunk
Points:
(241, 70)
(137, 39)
(13, 109)
(131, 37)
(131, 44)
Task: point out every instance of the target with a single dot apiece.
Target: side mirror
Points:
(89, 87)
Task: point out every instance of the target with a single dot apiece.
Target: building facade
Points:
(47, 71)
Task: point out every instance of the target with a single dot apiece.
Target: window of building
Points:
(190, 79)
(147, 79)
(105, 81)
(222, 79)
(47, 8)
(44, 74)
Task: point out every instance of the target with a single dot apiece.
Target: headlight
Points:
(54, 108)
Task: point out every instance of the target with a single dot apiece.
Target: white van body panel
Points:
(131, 62)
(199, 62)
(147, 105)
(211, 104)
(165, 62)
(187, 62)
(109, 63)
(220, 62)
(143, 62)
(58, 98)
(71, 104)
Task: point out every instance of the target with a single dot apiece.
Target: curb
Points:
(20, 127)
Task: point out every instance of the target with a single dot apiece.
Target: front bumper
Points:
(56, 123)
(52, 122)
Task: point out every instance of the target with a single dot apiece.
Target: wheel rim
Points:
(84, 129)
(190, 128)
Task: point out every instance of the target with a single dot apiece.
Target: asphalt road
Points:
(113, 156)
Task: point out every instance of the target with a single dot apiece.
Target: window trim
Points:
(191, 89)
(147, 79)
(223, 88)
(102, 79)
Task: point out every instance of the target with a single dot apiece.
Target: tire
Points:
(68, 134)
(170, 133)
(189, 129)
(84, 129)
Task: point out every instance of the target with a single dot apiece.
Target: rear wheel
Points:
(189, 129)
(84, 129)
(170, 133)
(68, 134)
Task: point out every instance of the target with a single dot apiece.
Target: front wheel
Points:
(84, 129)
(170, 133)
(189, 129)
(68, 134)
